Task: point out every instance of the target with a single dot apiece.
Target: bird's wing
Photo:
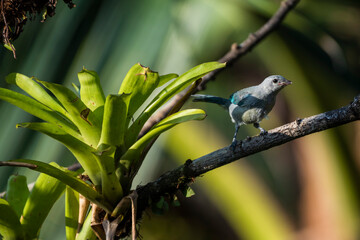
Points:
(241, 97)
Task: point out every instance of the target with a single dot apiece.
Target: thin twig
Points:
(18, 164)
(133, 197)
(236, 51)
(169, 182)
(6, 30)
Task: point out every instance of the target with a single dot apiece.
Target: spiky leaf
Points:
(91, 93)
(139, 83)
(79, 113)
(10, 227)
(71, 212)
(36, 91)
(39, 110)
(68, 178)
(169, 91)
(17, 193)
(42, 198)
(132, 156)
(81, 151)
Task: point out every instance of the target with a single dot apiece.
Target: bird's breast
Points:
(246, 115)
(253, 115)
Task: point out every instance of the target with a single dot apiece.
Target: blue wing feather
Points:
(240, 97)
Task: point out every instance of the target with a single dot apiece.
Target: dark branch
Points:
(183, 175)
(236, 51)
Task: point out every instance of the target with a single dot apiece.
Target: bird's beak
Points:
(287, 82)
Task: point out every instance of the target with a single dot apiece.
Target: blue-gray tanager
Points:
(249, 105)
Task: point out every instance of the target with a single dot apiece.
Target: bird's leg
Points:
(234, 141)
(262, 131)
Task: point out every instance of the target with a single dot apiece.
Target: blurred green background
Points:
(306, 189)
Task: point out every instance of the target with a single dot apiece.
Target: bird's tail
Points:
(211, 99)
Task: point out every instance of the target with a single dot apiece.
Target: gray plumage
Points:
(249, 105)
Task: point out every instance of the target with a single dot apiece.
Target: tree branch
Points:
(236, 51)
(183, 175)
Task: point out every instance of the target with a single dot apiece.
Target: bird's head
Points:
(275, 83)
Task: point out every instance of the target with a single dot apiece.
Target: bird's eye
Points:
(275, 81)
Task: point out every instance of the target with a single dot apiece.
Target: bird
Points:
(249, 105)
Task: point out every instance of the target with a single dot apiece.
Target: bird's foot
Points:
(263, 132)
(233, 145)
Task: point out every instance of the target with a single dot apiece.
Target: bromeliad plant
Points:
(101, 132)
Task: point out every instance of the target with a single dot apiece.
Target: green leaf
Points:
(10, 227)
(17, 193)
(80, 150)
(157, 207)
(132, 156)
(42, 198)
(160, 203)
(166, 207)
(189, 192)
(169, 122)
(183, 81)
(91, 92)
(76, 88)
(175, 202)
(139, 82)
(182, 116)
(71, 213)
(169, 91)
(68, 178)
(35, 90)
(8, 47)
(79, 114)
(111, 188)
(160, 207)
(114, 122)
(166, 78)
(39, 110)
